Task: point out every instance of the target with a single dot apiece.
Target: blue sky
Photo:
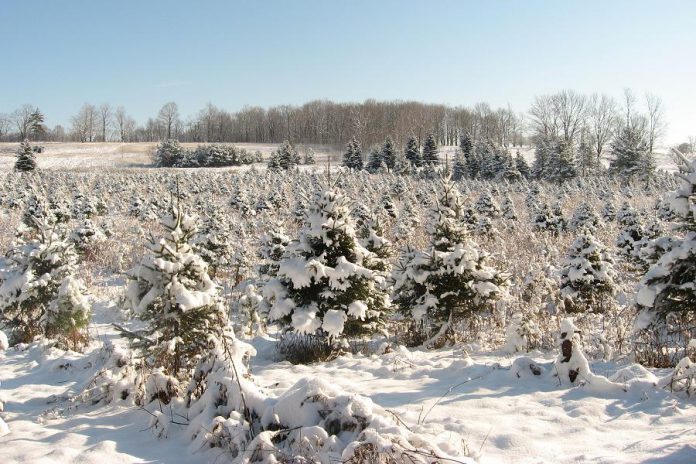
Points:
(141, 54)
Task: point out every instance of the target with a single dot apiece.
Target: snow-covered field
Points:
(503, 414)
(85, 156)
(474, 399)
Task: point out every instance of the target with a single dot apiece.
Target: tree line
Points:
(567, 116)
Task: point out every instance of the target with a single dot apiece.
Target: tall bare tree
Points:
(169, 117)
(656, 125)
(105, 120)
(602, 117)
(125, 125)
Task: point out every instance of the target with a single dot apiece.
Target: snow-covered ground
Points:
(84, 156)
(504, 413)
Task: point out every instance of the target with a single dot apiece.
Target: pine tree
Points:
(631, 236)
(36, 124)
(412, 152)
(325, 286)
(451, 281)
(26, 161)
(349, 155)
(430, 151)
(466, 145)
(562, 161)
(389, 154)
(507, 209)
(287, 156)
(356, 160)
(587, 275)
(666, 295)
(374, 162)
(584, 219)
(486, 206)
(30, 278)
(629, 149)
(459, 170)
(173, 293)
(522, 166)
(542, 159)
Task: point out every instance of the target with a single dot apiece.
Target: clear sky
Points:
(143, 53)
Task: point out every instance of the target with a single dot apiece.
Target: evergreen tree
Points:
(287, 156)
(349, 157)
(666, 295)
(173, 293)
(542, 159)
(389, 154)
(412, 152)
(26, 161)
(325, 286)
(374, 161)
(451, 281)
(459, 169)
(36, 124)
(466, 145)
(584, 219)
(168, 153)
(629, 149)
(587, 275)
(522, 166)
(562, 161)
(507, 209)
(31, 276)
(430, 151)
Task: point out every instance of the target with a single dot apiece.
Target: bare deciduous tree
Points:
(169, 117)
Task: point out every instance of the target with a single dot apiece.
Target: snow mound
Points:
(4, 343)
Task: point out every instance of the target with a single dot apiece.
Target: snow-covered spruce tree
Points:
(212, 242)
(666, 295)
(352, 154)
(485, 206)
(69, 314)
(507, 209)
(270, 252)
(389, 154)
(442, 287)
(172, 292)
(459, 170)
(584, 219)
(522, 166)
(430, 156)
(562, 162)
(549, 219)
(631, 238)
(542, 159)
(31, 275)
(629, 149)
(168, 153)
(587, 276)
(325, 287)
(374, 161)
(412, 152)
(26, 160)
